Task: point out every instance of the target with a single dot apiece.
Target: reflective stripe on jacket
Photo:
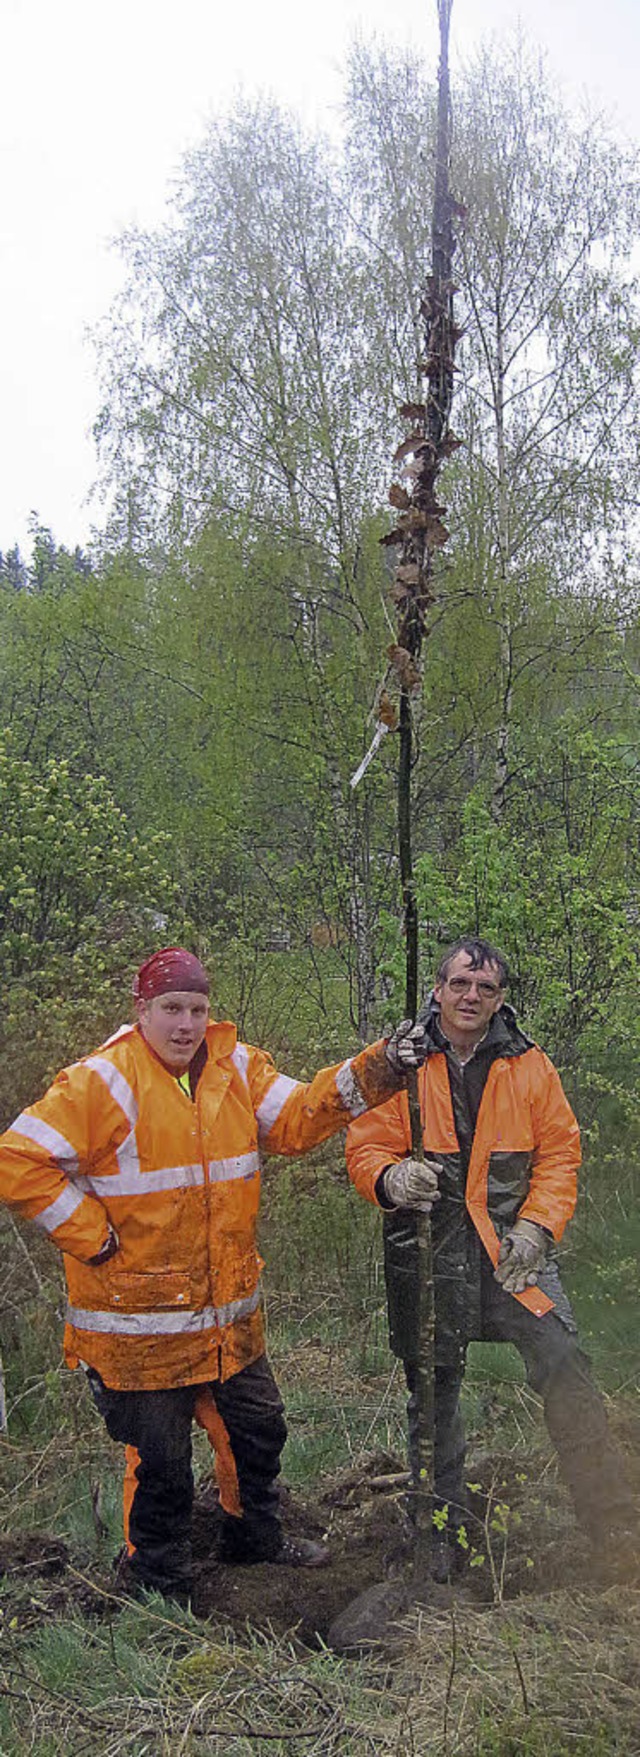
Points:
(116, 1140)
(523, 1161)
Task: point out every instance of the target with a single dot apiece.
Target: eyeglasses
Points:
(464, 984)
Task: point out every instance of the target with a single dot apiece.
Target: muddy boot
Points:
(246, 1542)
(130, 1583)
(301, 1552)
(448, 1557)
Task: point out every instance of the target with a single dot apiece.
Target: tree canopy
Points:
(216, 659)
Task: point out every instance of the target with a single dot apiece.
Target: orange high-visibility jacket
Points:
(115, 1140)
(524, 1159)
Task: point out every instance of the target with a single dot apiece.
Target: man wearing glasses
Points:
(499, 1180)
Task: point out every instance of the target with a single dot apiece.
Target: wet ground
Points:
(522, 1540)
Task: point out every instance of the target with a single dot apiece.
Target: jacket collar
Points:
(222, 1037)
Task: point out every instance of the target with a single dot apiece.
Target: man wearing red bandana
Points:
(142, 1163)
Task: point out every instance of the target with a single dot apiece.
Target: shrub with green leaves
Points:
(82, 899)
(554, 885)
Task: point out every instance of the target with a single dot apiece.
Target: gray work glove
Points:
(406, 1047)
(108, 1249)
(522, 1254)
(413, 1183)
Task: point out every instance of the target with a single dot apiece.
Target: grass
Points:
(153, 1681)
(326, 1432)
(547, 1677)
(554, 1677)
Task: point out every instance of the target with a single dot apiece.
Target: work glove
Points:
(522, 1254)
(413, 1183)
(406, 1048)
(108, 1249)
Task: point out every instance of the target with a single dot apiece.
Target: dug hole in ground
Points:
(523, 1543)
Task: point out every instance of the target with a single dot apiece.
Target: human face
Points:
(468, 999)
(174, 1025)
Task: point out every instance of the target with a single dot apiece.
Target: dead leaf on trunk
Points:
(413, 411)
(405, 668)
(408, 574)
(414, 443)
(398, 497)
(435, 532)
(386, 711)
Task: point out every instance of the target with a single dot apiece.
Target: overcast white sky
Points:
(98, 103)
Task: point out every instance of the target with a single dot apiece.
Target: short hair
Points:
(479, 952)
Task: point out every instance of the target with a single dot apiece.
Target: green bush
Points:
(81, 899)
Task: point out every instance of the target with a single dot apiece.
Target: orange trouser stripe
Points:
(129, 1486)
(209, 1418)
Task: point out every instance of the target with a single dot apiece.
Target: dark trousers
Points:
(158, 1425)
(573, 1408)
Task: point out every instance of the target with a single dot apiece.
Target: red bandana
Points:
(171, 971)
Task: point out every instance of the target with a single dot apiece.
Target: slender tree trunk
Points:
(501, 772)
(419, 535)
(423, 1497)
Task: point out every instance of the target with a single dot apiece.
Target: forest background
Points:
(184, 704)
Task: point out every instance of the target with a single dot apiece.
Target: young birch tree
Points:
(548, 395)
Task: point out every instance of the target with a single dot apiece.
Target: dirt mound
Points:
(521, 1539)
(363, 1525)
(30, 1553)
(521, 1535)
(43, 1565)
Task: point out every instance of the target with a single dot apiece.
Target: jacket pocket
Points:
(150, 1290)
(507, 1184)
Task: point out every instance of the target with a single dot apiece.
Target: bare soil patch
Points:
(521, 1530)
(522, 1536)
